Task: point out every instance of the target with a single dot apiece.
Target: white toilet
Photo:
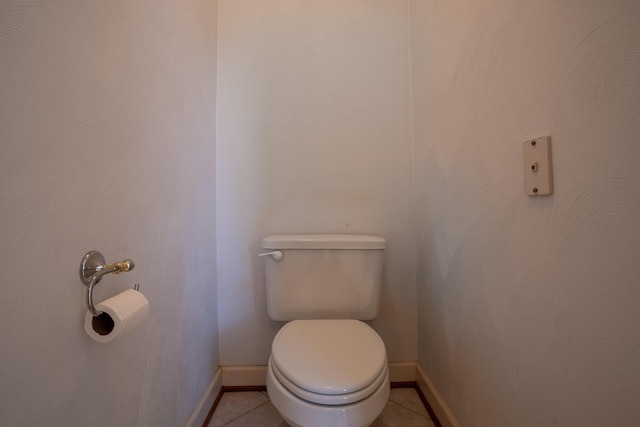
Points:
(327, 367)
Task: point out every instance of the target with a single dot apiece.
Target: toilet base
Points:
(300, 413)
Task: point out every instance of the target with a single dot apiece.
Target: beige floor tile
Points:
(233, 404)
(395, 415)
(408, 398)
(265, 415)
(253, 409)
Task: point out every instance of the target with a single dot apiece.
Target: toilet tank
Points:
(323, 276)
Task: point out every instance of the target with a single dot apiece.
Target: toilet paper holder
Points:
(93, 267)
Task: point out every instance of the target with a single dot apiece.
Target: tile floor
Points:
(254, 409)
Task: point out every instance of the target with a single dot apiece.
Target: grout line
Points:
(264, 393)
(411, 410)
(246, 413)
(239, 416)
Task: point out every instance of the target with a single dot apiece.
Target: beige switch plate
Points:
(538, 177)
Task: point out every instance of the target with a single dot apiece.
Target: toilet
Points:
(327, 366)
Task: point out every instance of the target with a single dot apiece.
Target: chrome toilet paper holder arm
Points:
(93, 267)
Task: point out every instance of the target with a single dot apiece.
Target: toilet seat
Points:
(329, 399)
(329, 362)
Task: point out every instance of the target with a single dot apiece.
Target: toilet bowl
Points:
(327, 367)
(328, 372)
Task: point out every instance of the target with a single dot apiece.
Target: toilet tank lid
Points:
(323, 241)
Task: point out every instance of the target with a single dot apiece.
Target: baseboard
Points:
(244, 376)
(202, 408)
(437, 403)
(402, 372)
(255, 376)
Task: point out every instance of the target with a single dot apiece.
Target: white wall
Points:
(313, 136)
(107, 141)
(528, 307)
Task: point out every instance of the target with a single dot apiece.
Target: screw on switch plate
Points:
(537, 166)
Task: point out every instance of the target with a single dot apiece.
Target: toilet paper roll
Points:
(120, 314)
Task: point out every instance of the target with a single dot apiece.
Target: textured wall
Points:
(107, 141)
(528, 307)
(313, 136)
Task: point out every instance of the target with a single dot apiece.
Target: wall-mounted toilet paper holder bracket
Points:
(93, 267)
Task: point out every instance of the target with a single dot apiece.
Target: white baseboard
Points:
(237, 376)
(437, 403)
(201, 409)
(401, 372)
